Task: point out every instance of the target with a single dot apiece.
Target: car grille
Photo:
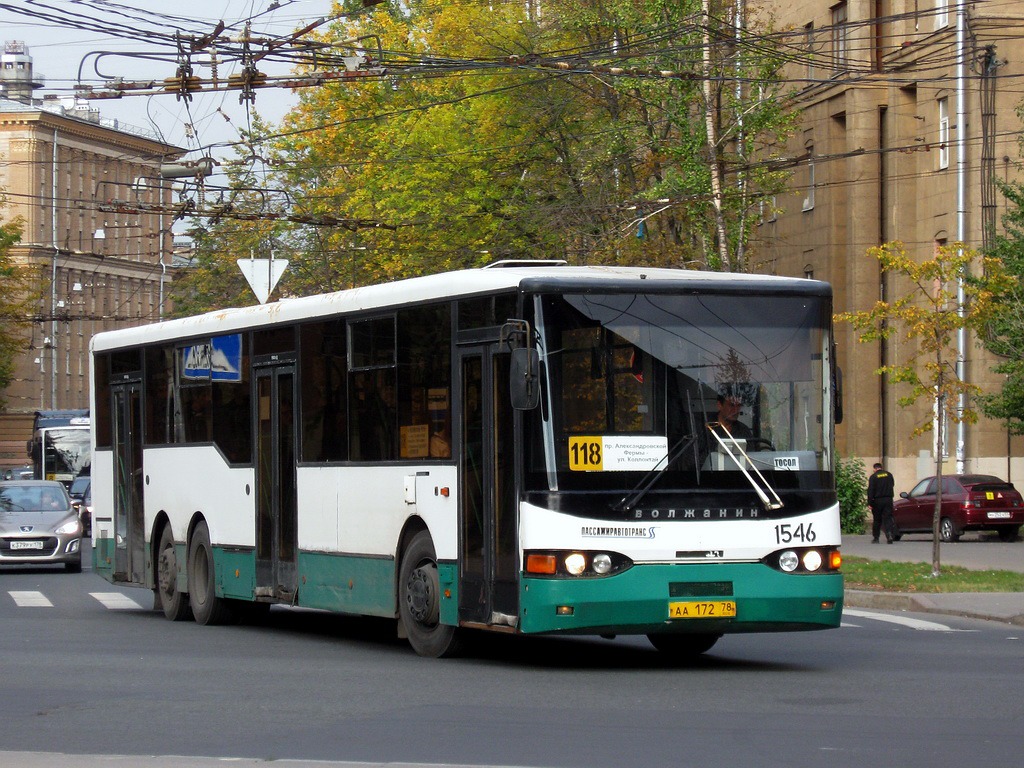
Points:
(49, 547)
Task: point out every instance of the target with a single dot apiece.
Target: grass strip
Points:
(887, 576)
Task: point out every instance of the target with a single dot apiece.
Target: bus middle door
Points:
(488, 573)
(276, 489)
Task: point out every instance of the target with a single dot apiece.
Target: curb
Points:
(901, 601)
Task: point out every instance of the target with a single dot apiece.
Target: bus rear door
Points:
(129, 519)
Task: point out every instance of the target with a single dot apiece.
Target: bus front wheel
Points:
(206, 606)
(419, 600)
(173, 603)
(683, 645)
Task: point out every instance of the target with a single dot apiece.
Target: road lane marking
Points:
(115, 601)
(30, 600)
(903, 621)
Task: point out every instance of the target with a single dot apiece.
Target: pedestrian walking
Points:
(880, 493)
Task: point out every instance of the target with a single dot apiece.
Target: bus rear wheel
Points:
(206, 606)
(174, 604)
(419, 601)
(683, 645)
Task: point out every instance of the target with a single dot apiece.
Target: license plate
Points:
(702, 609)
(998, 515)
(26, 545)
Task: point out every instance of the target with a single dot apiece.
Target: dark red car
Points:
(969, 503)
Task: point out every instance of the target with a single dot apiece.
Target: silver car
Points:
(39, 525)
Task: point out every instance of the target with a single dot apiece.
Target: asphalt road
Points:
(91, 676)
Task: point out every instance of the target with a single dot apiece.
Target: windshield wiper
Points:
(760, 485)
(648, 481)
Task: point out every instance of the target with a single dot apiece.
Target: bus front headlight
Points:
(788, 561)
(812, 560)
(601, 564)
(575, 563)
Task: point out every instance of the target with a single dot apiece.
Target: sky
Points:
(64, 45)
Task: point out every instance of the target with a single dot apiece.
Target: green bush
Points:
(852, 488)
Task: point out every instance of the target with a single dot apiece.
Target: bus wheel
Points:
(173, 603)
(419, 600)
(683, 645)
(206, 606)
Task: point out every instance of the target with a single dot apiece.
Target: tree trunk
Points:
(711, 122)
(940, 438)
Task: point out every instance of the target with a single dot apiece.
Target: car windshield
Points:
(32, 498)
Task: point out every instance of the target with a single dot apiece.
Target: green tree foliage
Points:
(928, 317)
(19, 292)
(852, 489)
(1005, 336)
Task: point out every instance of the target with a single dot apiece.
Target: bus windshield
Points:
(642, 383)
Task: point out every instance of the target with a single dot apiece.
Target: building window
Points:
(809, 42)
(808, 203)
(941, 14)
(943, 132)
(839, 33)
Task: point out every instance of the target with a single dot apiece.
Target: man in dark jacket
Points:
(880, 493)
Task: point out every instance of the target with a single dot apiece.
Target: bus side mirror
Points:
(524, 379)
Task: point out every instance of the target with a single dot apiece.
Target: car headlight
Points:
(70, 526)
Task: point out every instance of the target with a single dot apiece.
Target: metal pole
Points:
(961, 225)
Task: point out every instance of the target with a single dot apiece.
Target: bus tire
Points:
(419, 601)
(207, 608)
(683, 646)
(173, 603)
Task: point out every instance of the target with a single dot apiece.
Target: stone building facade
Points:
(898, 142)
(93, 206)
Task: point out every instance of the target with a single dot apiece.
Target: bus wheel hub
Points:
(421, 597)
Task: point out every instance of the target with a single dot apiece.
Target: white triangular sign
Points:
(262, 275)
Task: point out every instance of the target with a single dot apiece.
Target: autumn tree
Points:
(20, 289)
(454, 166)
(929, 316)
(242, 224)
(1005, 334)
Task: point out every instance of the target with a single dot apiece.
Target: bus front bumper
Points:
(642, 600)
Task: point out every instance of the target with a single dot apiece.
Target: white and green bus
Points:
(524, 448)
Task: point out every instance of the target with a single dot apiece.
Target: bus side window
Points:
(372, 400)
(424, 382)
(324, 381)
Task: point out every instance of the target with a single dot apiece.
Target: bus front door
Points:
(488, 576)
(276, 504)
(129, 521)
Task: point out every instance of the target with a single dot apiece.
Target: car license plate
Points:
(998, 515)
(26, 545)
(702, 609)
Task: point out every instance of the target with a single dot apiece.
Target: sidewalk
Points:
(976, 551)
